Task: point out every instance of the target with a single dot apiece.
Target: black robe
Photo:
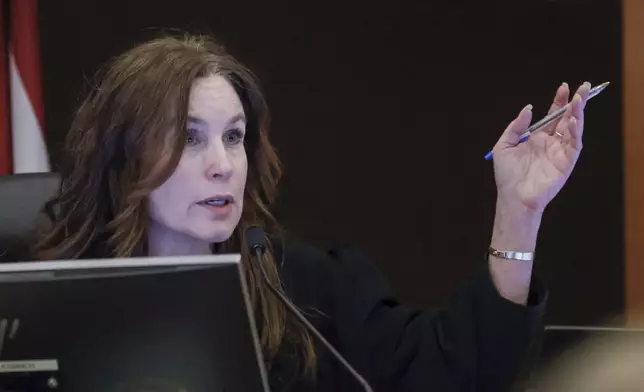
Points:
(478, 342)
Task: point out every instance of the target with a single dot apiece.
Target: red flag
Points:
(28, 148)
(5, 130)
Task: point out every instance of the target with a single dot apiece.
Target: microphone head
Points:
(255, 238)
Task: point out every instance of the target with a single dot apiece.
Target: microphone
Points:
(256, 240)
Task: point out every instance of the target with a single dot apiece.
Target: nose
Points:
(218, 163)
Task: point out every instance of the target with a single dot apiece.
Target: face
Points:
(203, 199)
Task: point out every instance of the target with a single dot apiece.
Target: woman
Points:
(169, 155)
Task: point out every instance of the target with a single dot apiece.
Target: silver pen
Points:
(551, 117)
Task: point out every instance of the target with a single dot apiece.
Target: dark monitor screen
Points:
(146, 324)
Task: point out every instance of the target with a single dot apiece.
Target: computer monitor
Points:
(558, 340)
(180, 324)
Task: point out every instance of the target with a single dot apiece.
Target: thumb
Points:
(516, 129)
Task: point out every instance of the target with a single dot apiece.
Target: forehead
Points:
(213, 96)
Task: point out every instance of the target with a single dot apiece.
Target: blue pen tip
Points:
(488, 156)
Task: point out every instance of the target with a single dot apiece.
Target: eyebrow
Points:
(196, 120)
(234, 119)
(239, 117)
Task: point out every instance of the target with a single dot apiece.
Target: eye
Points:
(193, 138)
(233, 137)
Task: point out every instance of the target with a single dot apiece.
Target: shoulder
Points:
(345, 260)
(327, 274)
(15, 248)
(300, 264)
(294, 255)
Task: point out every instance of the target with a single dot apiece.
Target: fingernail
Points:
(528, 107)
(587, 83)
(564, 84)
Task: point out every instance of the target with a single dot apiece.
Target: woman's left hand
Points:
(530, 174)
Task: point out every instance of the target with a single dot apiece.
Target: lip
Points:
(218, 212)
(224, 196)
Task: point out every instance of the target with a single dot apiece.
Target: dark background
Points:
(382, 113)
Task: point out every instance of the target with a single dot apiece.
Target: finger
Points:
(575, 134)
(575, 109)
(570, 129)
(577, 116)
(572, 148)
(583, 91)
(578, 105)
(516, 129)
(561, 99)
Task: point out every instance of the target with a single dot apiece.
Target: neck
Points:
(165, 242)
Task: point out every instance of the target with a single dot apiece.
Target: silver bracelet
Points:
(512, 255)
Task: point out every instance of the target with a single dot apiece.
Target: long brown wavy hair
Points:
(126, 140)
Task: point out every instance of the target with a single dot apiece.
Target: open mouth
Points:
(217, 201)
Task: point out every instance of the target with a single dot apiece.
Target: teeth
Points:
(217, 202)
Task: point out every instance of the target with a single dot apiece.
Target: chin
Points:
(215, 232)
(218, 237)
